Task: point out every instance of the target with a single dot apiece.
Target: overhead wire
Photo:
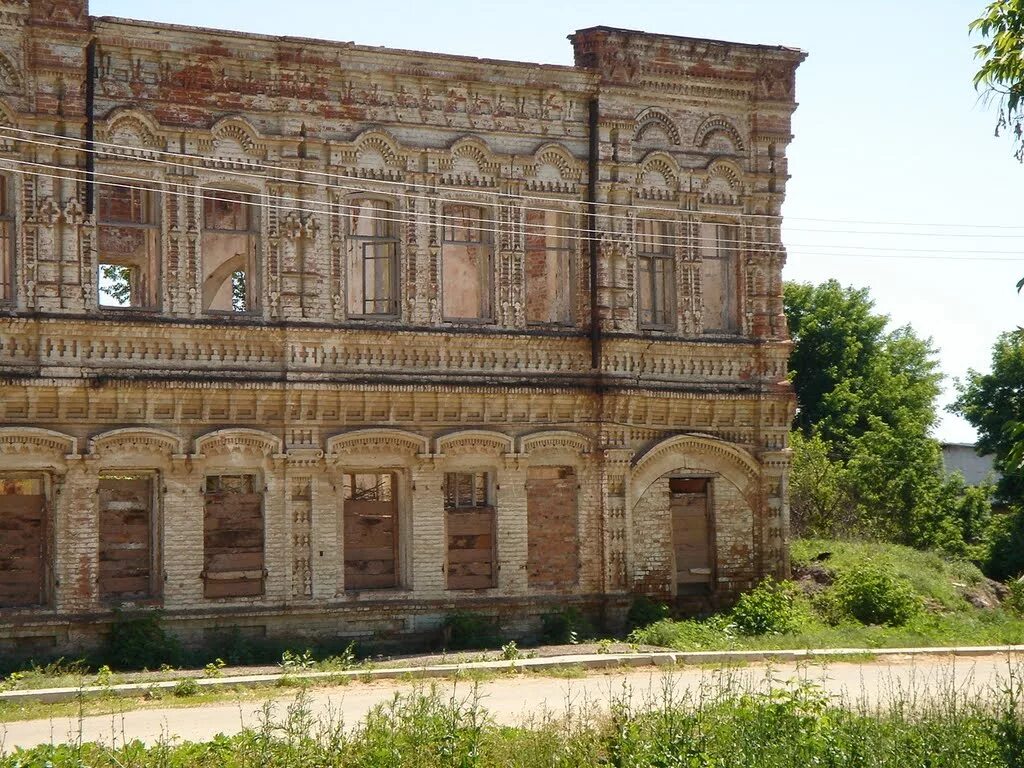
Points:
(501, 227)
(182, 157)
(799, 249)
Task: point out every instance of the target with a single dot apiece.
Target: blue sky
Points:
(889, 129)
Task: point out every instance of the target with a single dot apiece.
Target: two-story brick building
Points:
(307, 337)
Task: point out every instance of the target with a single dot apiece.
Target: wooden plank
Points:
(369, 581)
(234, 588)
(470, 582)
(235, 561)
(469, 523)
(469, 555)
(23, 559)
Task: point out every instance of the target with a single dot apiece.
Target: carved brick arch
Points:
(555, 440)
(250, 443)
(10, 79)
(131, 127)
(235, 130)
(470, 149)
(695, 452)
(656, 119)
(132, 441)
(718, 124)
(377, 443)
(723, 183)
(8, 116)
(472, 442)
(23, 447)
(561, 159)
(655, 165)
(382, 143)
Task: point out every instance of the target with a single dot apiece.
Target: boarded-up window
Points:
(655, 273)
(691, 534)
(371, 531)
(466, 264)
(6, 242)
(24, 538)
(129, 247)
(127, 530)
(233, 536)
(230, 273)
(548, 267)
(552, 537)
(469, 521)
(372, 258)
(719, 285)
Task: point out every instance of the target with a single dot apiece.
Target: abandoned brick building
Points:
(307, 337)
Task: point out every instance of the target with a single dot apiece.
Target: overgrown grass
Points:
(935, 613)
(723, 723)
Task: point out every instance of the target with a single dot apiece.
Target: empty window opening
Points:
(656, 273)
(6, 242)
(129, 247)
(466, 256)
(691, 534)
(549, 248)
(24, 542)
(128, 528)
(371, 531)
(229, 253)
(233, 564)
(552, 534)
(719, 284)
(469, 523)
(372, 258)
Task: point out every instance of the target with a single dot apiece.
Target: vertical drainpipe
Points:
(593, 167)
(90, 126)
(593, 163)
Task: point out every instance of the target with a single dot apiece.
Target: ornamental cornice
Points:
(33, 441)
(550, 441)
(243, 442)
(376, 441)
(131, 441)
(474, 442)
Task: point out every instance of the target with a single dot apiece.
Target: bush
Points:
(140, 642)
(871, 595)
(462, 631)
(564, 627)
(644, 611)
(1015, 599)
(769, 608)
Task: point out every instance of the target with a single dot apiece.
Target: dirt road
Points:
(511, 700)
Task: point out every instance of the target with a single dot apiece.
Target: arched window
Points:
(230, 254)
(549, 277)
(129, 246)
(466, 256)
(6, 242)
(372, 258)
(655, 273)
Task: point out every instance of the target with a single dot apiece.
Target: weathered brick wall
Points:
(301, 389)
(553, 531)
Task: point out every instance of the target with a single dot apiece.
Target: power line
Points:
(77, 174)
(474, 191)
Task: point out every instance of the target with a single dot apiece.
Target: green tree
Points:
(864, 460)
(1001, 72)
(993, 403)
(847, 369)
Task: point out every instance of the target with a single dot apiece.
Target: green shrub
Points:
(871, 595)
(1015, 600)
(769, 608)
(139, 641)
(713, 632)
(462, 631)
(644, 611)
(564, 627)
